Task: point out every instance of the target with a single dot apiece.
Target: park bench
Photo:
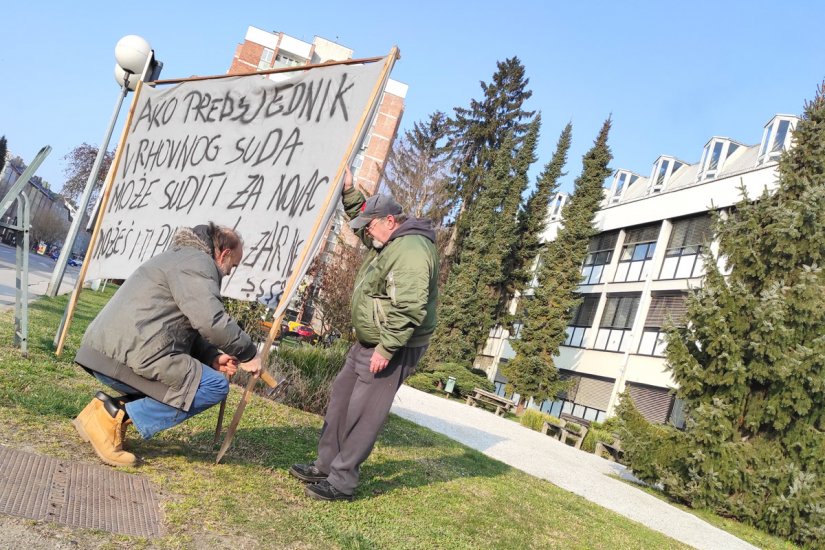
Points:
(483, 397)
(566, 430)
(612, 452)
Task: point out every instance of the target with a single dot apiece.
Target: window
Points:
(660, 176)
(688, 239)
(579, 328)
(665, 307)
(637, 253)
(283, 60)
(599, 254)
(621, 182)
(781, 134)
(714, 155)
(558, 204)
(562, 406)
(652, 402)
(776, 138)
(266, 59)
(617, 320)
(663, 170)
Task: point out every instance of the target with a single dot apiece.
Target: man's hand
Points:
(347, 178)
(378, 363)
(226, 364)
(253, 365)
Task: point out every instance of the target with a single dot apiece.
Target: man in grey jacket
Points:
(164, 340)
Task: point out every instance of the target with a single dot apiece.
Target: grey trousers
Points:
(358, 408)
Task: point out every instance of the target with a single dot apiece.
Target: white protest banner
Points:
(245, 152)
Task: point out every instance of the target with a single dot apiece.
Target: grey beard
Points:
(377, 244)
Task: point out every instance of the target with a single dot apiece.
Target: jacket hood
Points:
(195, 237)
(414, 226)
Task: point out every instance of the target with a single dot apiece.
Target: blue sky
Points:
(671, 74)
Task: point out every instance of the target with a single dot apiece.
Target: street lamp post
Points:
(135, 62)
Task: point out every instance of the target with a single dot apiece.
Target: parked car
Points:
(75, 262)
(306, 333)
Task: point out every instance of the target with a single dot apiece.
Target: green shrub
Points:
(465, 380)
(310, 372)
(650, 450)
(534, 419)
(572, 427)
(595, 434)
(553, 420)
(424, 381)
(248, 315)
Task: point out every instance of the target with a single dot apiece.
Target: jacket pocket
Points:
(391, 288)
(156, 347)
(379, 316)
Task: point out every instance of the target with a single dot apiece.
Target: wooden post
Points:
(389, 61)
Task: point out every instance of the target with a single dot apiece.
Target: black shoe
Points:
(324, 491)
(307, 473)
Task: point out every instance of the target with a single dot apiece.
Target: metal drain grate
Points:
(80, 495)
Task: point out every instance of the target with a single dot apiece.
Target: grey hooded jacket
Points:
(164, 322)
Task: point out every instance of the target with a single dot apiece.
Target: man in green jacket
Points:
(393, 314)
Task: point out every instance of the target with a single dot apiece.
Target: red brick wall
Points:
(247, 56)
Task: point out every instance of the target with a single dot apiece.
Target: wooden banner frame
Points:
(334, 190)
(286, 295)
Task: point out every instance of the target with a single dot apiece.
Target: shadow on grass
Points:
(277, 448)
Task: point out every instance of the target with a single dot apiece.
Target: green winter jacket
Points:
(396, 288)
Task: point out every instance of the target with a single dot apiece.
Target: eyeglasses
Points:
(372, 224)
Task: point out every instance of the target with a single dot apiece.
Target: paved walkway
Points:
(579, 472)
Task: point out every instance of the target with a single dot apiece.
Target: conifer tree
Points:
(750, 365)
(478, 133)
(509, 234)
(471, 295)
(533, 217)
(545, 316)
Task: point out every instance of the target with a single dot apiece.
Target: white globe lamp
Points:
(120, 76)
(131, 53)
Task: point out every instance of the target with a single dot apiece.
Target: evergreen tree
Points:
(510, 234)
(533, 217)
(750, 364)
(478, 133)
(471, 294)
(545, 316)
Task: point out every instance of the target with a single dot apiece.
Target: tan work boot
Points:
(104, 432)
(124, 426)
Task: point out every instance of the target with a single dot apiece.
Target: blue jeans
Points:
(150, 416)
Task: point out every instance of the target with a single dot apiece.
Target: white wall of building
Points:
(686, 192)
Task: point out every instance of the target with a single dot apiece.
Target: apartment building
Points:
(639, 270)
(263, 50)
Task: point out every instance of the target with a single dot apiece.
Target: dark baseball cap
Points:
(377, 206)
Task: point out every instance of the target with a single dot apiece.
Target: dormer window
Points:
(776, 138)
(716, 152)
(663, 169)
(556, 206)
(621, 181)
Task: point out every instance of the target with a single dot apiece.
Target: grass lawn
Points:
(419, 489)
(744, 531)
